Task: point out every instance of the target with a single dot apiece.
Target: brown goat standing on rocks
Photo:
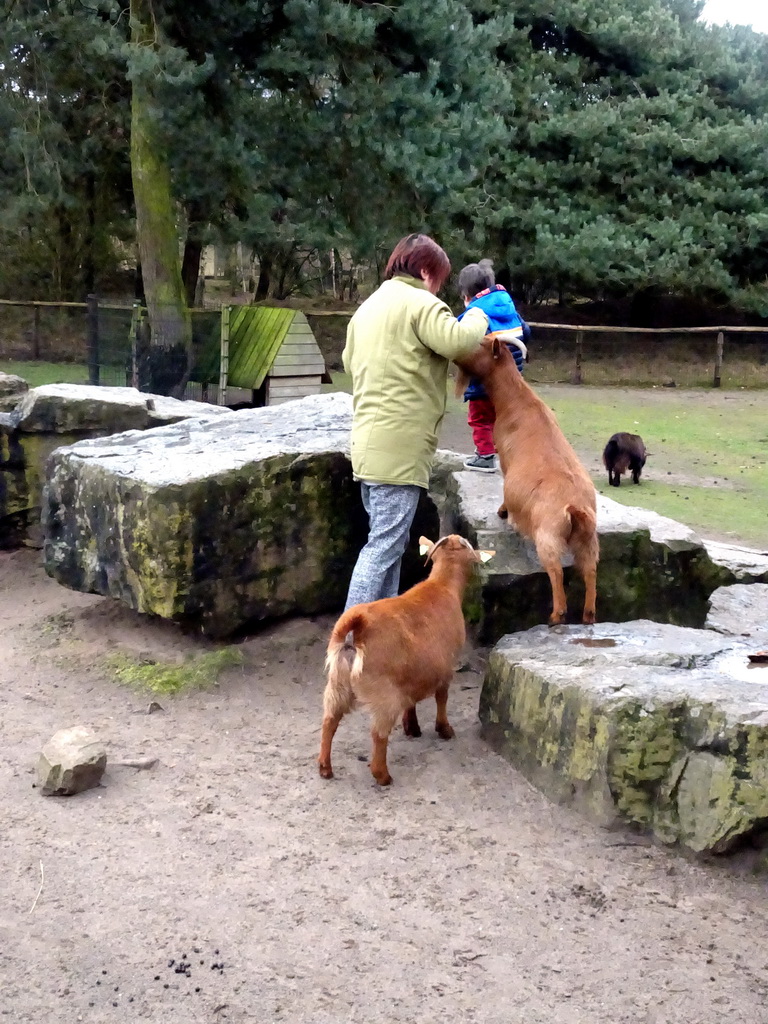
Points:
(390, 654)
(547, 491)
(623, 452)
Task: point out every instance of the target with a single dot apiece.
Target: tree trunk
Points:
(193, 251)
(190, 268)
(64, 274)
(265, 276)
(89, 242)
(158, 240)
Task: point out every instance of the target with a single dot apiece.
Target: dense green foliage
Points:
(593, 147)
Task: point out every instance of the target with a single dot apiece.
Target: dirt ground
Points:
(459, 893)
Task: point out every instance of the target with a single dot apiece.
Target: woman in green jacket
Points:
(399, 346)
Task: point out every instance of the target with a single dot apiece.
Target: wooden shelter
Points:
(266, 356)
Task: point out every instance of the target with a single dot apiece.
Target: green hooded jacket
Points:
(399, 345)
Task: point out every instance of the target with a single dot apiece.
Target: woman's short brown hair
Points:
(416, 253)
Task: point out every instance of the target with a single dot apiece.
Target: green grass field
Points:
(708, 465)
(37, 373)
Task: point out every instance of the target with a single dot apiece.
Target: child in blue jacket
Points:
(477, 287)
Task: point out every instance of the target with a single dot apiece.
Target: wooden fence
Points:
(93, 310)
(718, 335)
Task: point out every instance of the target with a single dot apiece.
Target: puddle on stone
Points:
(588, 641)
(738, 667)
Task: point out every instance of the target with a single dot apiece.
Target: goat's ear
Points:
(496, 347)
(425, 546)
(486, 556)
(462, 382)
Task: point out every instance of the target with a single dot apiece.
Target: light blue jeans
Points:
(390, 508)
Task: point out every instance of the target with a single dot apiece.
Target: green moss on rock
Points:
(659, 727)
(170, 678)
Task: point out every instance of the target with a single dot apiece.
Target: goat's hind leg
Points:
(330, 725)
(585, 557)
(443, 727)
(550, 550)
(411, 725)
(381, 726)
(337, 701)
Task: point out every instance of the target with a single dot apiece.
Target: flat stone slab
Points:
(84, 408)
(740, 610)
(650, 566)
(656, 726)
(59, 414)
(744, 565)
(214, 524)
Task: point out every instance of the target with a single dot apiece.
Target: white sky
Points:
(738, 12)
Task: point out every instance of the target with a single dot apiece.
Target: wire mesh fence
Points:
(102, 343)
(51, 332)
(90, 337)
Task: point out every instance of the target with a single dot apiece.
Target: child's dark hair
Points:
(476, 277)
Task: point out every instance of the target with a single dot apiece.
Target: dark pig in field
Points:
(623, 452)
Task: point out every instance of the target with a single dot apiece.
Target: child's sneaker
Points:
(481, 463)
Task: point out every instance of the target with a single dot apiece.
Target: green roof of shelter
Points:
(255, 336)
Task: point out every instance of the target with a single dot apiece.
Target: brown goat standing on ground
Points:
(547, 491)
(390, 654)
(623, 452)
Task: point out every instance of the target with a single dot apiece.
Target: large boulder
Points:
(214, 524)
(661, 727)
(59, 414)
(650, 566)
(740, 610)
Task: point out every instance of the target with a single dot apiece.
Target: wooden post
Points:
(718, 360)
(577, 377)
(135, 328)
(36, 334)
(92, 328)
(224, 354)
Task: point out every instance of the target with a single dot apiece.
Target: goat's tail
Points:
(344, 661)
(583, 519)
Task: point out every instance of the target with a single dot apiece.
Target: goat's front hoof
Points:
(326, 772)
(445, 731)
(502, 512)
(557, 618)
(382, 776)
(588, 618)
